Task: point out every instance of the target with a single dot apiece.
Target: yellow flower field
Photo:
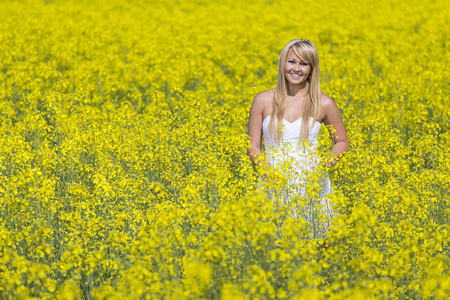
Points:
(124, 172)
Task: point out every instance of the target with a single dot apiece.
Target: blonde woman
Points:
(291, 114)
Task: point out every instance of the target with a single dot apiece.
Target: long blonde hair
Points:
(306, 50)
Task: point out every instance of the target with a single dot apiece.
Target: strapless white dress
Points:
(297, 162)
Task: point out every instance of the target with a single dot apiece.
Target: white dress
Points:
(297, 161)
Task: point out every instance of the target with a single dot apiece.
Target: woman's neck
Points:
(296, 91)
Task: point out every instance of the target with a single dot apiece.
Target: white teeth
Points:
(295, 75)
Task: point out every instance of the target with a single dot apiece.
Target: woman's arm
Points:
(332, 116)
(255, 127)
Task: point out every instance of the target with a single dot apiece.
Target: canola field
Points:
(123, 142)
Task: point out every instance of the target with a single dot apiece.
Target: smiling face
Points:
(296, 68)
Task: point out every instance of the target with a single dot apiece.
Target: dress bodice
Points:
(290, 145)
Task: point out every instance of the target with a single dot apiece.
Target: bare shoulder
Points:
(327, 102)
(264, 97)
(330, 111)
(263, 102)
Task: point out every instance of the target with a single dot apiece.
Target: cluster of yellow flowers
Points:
(123, 151)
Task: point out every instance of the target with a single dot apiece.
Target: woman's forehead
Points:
(298, 52)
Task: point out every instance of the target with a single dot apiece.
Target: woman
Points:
(292, 112)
